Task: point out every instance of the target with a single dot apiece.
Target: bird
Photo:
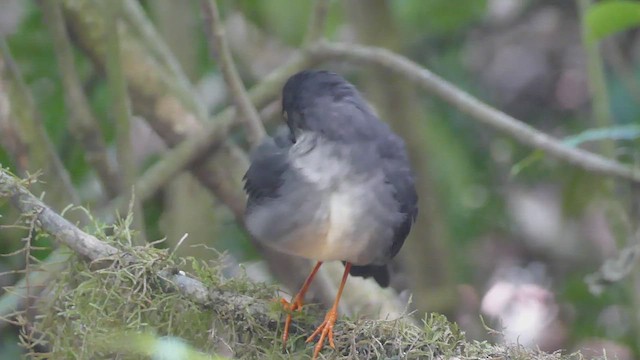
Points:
(334, 184)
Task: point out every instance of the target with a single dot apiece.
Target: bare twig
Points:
(121, 107)
(317, 22)
(478, 110)
(82, 122)
(220, 50)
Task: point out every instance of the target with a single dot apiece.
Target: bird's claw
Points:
(325, 330)
(289, 307)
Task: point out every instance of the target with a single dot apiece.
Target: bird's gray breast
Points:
(339, 208)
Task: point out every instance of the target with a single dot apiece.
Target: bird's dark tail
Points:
(379, 272)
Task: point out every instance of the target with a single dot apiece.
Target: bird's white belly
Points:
(342, 226)
(343, 241)
(344, 233)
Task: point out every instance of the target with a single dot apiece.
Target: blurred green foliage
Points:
(437, 17)
(606, 18)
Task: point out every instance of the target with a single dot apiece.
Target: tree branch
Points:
(82, 122)
(219, 49)
(470, 105)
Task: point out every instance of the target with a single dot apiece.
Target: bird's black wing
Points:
(398, 175)
(269, 162)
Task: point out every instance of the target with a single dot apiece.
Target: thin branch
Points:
(82, 122)
(220, 50)
(28, 122)
(317, 22)
(478, 110)
(122, 110)
(135, 16)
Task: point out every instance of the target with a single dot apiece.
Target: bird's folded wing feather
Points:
(269, 163)
(399, 176)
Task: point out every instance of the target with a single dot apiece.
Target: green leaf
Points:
(623, 132)
(607, 18)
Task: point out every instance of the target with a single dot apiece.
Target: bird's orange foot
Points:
(289, 307)
(325, 330)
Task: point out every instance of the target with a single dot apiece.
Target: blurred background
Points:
(507, 237)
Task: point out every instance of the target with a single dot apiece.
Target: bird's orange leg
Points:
(296, 302)
(325, 330)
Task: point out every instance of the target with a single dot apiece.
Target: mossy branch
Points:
(241, 313)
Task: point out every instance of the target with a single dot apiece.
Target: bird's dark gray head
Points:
(309, 97)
